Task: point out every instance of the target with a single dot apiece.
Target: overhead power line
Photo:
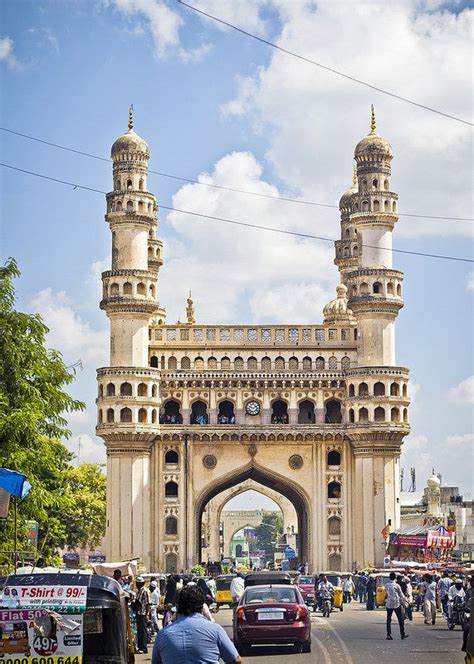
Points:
(218, 186)
(325, 67)
(272, 229)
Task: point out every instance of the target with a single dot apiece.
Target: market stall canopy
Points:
(426, 537)
(128, 568)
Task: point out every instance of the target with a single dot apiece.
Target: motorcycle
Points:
(327, 602)
(457, 613)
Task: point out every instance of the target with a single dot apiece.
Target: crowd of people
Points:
(165, 607)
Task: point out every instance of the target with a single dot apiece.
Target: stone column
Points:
(128, 502)
(376, 502)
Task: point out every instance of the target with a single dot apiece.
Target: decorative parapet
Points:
(255, 336)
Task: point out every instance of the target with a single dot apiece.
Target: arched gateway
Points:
(188, 411)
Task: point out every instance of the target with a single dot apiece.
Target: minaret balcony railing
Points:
(367, 218)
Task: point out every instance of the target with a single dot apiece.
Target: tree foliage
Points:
(269, 531)
(33, 409)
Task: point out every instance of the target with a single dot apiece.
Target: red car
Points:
(306, 586)
(272, 614)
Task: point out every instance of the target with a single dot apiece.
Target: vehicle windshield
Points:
(306, 580)
(335, 580)
(270, 595)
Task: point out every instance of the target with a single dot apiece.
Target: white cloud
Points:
(470, 281)
(464, 392)
(68, 332)
(86, 450)
(235, 271)
(47, 36)
(164, 25)
(245, 14)
(315, 118)
(6, 52)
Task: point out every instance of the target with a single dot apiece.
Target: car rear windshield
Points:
(306, 580)
(264, 595)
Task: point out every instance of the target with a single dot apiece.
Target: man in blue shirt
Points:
(192, 639)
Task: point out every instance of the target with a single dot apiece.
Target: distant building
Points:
(440, 506)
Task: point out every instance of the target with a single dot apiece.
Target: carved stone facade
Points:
(316, 413)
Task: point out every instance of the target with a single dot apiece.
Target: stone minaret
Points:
(376, 405)
(129, 395)
(375, 289)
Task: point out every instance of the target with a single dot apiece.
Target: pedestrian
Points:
(191, 638)
(170, 591)
(420, 597)
(141, 606)
(429, 603)
(237, 588)
(211, 584)
(443, 587)
(362, 588)
(394, 603)
(155, 602)
(408, 592)
(370, 605)
(347, 589)
(118, 576)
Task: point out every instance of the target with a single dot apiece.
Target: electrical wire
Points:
(240, 223)
(325, 67)
(218, 186)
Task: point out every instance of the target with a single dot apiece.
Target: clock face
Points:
(253, 408)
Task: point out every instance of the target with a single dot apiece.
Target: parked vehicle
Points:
(306, 586)
(272, 614)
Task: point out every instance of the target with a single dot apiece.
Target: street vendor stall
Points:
(423, 544)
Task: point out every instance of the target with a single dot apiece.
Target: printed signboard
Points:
(63, 599)
(32, 636)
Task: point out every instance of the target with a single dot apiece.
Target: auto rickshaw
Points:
(381, 579)
(223, 595)
(96, 604)
(336, 580)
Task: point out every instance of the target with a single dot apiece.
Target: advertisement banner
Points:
(408, 540)
(63, 599)
(35, 637)
(441, 539)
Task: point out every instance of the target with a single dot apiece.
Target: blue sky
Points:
(211, 101)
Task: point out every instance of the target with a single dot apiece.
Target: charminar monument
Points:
(190, 412)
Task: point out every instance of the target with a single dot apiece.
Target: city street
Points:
(357, 636)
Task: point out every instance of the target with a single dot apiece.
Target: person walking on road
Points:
(429, 604)
(395, 600)
(141, 606)
(347, 589)
(192, 639)
(443, 587)
(362, 588)
(237, 588)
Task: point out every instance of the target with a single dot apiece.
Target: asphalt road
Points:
(357, 636)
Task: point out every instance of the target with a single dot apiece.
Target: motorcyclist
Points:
(456, 590)
(325, 591)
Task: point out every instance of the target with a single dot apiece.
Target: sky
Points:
(221, 108)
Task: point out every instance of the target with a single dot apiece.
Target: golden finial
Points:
(373, 125)
(130, 117)
(190, 310)
(354, 176)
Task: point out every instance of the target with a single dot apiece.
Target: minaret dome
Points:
(130, 143)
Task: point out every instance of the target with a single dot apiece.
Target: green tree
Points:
(269, 531)
(33, 405)
(85, 494)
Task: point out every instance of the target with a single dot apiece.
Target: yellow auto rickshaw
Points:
(336, 580)
(223, 595)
